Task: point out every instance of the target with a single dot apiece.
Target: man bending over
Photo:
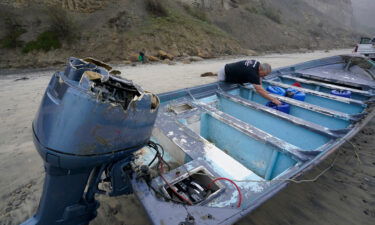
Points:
(248, 71)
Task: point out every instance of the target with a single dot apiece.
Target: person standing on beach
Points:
(248, 71)
(142, 57)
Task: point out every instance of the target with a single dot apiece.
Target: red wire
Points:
(209, 185)
(169, 185)
(227, 179)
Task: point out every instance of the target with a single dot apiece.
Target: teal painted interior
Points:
(263, 159)
(318, 118)
(309, 115)
(276, 126)
(331, 104)
(319, 88)
(213, 98)
(208, 99)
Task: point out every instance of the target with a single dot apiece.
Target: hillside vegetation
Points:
(40, 33)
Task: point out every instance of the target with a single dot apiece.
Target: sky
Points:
(364, 14)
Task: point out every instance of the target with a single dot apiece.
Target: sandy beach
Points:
(344, 195)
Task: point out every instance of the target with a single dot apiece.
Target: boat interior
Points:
(230, 131)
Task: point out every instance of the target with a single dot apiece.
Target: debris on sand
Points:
(208, 74)
(22, 78)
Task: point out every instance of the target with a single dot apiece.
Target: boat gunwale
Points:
(326, 85)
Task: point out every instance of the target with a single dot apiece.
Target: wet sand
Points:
(344, 195)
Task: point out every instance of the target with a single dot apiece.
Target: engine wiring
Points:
(160, 167)
(156, 147)
(161, 163)
(169, 185)
(159, 155)
(234, 183)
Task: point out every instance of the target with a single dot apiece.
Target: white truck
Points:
(366, 47)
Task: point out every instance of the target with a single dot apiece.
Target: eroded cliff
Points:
(45, 32)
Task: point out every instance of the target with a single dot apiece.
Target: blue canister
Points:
(276, 90)
(342, 93)
(295, 94)
(284, 107)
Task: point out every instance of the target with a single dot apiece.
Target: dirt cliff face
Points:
(277, 25)
(212, 4)
(341, 11)
(114, 30)
(84, 6)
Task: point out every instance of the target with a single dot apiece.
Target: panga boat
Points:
(216, 151)
(227, 131)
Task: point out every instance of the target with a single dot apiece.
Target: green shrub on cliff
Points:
(46, 41)
(62, 28)
(14, 31)
(62, 24)
(11, 40)
(156, 7)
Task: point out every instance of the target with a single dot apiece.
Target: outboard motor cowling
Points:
(87, 127)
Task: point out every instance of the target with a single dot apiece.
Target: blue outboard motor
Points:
(342, 93)
(276, 90)
(88, 125)
(295, 94)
